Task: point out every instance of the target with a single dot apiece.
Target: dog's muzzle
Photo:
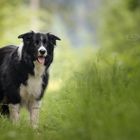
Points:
(42, 53)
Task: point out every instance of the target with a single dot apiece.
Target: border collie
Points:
(24, 74)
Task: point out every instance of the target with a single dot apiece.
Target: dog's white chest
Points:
(32, 90)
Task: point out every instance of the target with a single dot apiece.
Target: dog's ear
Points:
(52, 38)
(26, 35)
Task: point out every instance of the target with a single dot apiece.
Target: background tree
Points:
(119, 31)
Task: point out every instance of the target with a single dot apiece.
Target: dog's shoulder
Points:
(8, 49)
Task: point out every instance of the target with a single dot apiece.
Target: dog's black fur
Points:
(15, 69)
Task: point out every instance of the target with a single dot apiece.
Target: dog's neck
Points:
(20, 51)
(38, 69)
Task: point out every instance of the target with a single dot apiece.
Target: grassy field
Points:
(100, 101)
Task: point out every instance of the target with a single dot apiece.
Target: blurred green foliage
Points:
(10, 20)
(98, 103)
(119, 31)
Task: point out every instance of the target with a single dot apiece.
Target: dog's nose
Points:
(42, 51)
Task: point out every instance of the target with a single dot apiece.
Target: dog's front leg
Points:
(14, 112)
(34, 113)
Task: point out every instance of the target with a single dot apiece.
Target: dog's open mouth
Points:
(41, 59)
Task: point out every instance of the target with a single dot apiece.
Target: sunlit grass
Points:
(95, 104)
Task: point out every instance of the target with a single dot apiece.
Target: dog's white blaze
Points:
(20, 50)
(43, 48)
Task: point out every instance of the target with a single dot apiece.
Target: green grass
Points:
(99, 102)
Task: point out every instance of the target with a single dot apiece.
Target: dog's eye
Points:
(44, 41)
(37, 42)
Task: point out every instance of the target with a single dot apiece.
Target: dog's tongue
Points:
(41, 60)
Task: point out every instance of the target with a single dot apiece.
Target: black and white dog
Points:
(24, 74)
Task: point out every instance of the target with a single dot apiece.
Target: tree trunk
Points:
(34, 6)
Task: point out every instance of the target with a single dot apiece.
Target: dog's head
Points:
(38, 45)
